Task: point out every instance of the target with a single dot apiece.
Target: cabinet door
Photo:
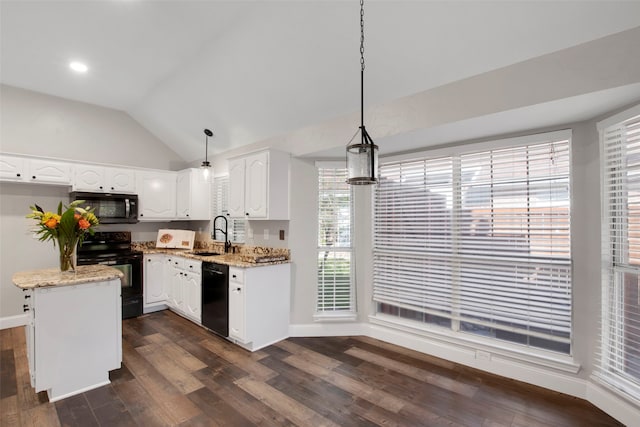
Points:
(236, 188)
(120, 180)
(193, 296)
(88, 178)
(183, 194)
(154, 279)
(177, 291)
(49, 172)
(12, 168)
(237, 311)
(156, 195)
(257, 182)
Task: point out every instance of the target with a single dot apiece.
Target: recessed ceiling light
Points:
(78, 67)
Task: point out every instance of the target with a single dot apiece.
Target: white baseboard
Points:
(13, 321)
(495, 364)
(329, 329)
(613, 404)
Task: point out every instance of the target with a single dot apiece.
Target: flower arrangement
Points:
(67, 229)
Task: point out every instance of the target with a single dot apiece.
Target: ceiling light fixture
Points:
(78, 67)
(362, 157)
(206, 165)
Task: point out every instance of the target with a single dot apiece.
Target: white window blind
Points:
(219, 206)
(478, 242)
(335, 218)
(620, 323)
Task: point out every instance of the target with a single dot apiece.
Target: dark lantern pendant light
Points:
(362, 156)
(206, 163)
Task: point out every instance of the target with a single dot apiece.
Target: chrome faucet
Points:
(227, 243)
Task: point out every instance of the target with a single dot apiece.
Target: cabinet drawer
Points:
(236, 275)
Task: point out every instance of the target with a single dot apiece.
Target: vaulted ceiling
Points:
(252, 70)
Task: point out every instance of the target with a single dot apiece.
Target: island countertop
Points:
(55, 277)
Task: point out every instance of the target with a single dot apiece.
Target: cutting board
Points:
(179, 239)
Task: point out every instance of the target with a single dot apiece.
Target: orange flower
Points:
(76, 216)
(51, 223)
(84, 224)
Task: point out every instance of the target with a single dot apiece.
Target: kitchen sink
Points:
(207, 253)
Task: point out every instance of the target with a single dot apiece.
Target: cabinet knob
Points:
(112, 188)
(246, 213)
(148, 260)
(234, 276)
(238, 289)
(18, 175)
(101, 187)
(141, 214)
(27, 296)
(33, 177)
(25, 307)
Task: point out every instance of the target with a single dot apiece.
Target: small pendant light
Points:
(206, 165)
(362, 157)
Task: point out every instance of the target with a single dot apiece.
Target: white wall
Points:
(42, 125)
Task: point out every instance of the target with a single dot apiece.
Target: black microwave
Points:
(110, 208)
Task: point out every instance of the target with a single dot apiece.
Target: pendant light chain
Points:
(361, 64)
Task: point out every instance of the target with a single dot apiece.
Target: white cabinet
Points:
(259, 304)
(185, 287)
(156, 195)
(156, 288)
(12, 168)
(259, 186)
(236, 306)
(104, 179)
(193, 195)
(45, 171)
(35, 171)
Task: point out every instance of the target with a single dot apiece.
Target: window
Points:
(478, 241)
(219, 206)
(620, 323)
(335, 217)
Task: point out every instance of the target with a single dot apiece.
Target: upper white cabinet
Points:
(156, 195)
(49, 172)
(193, 195)
(104, 179)
(12, 168)
(32, 170)
(259, 186)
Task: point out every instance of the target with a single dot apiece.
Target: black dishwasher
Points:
(215, 297)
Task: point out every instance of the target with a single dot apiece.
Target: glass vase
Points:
(68, 256)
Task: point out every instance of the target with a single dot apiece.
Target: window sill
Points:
(495, 347)
(349, 316)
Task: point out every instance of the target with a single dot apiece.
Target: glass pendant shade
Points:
(362, 164)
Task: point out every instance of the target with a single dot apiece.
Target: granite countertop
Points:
(230, 259)
(54, 277)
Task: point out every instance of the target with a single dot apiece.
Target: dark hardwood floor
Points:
(175, 373)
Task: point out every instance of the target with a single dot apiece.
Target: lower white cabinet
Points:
(156, 288)
(185, 286)
(259, 305)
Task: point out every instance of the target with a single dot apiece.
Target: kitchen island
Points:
(74, 332)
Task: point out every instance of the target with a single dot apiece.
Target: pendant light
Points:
(206, 165)
(362, 156)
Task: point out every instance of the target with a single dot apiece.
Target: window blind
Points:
(220, 204)
(478, 242)
(620, 324)
(335, 219)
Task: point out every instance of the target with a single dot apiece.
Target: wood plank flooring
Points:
(177, 374)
